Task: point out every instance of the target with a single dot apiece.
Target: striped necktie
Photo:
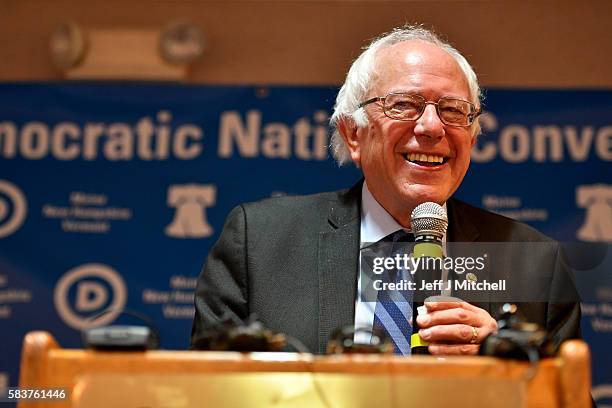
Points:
(393, 312)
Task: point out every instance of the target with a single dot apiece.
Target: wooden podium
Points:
(212, 379)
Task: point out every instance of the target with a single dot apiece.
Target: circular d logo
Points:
(96, 287)
(13, 208)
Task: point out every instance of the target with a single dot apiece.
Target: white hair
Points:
(359, 77)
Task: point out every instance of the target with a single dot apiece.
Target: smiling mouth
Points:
(425, 160)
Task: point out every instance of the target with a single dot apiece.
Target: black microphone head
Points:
(429, 219)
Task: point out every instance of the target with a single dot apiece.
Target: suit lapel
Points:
(462, 229)
(338, 258)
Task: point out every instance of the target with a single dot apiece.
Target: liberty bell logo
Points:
(191, 201)
(597, 199)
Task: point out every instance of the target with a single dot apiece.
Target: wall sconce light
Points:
(126, 53)
(181, 43)
(68, 45)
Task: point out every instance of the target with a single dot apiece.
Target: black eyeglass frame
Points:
(471, 116)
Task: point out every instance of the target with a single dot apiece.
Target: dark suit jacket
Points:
(293, 261)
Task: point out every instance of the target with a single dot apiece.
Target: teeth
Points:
(425, 158)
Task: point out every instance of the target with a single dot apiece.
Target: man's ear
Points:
(348, 131)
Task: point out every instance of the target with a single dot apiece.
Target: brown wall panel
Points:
(512, 44)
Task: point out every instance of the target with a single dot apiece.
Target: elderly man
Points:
(407, 116)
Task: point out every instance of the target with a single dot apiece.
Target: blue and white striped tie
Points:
(393, 312)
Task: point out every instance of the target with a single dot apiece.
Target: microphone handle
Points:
(427, 279)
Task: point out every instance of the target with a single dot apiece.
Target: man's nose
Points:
(429, 124)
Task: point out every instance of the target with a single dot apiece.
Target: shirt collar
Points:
(376, 222)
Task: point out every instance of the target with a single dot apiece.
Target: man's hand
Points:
(455, 327)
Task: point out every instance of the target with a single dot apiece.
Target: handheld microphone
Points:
(429, 223)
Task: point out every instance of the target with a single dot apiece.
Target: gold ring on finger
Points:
(474, 335)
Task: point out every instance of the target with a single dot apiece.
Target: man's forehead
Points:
(416, 57)
(416, 53)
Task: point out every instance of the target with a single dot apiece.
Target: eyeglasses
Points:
(407, 107)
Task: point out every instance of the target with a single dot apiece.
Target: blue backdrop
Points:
(112, 195)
